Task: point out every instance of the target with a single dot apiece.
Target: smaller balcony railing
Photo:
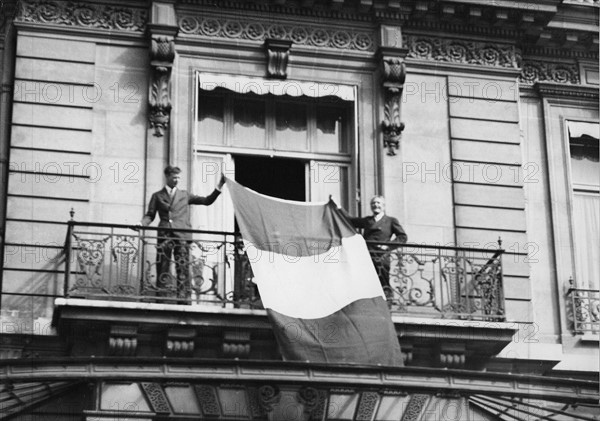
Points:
(585, 310)
(121, 262)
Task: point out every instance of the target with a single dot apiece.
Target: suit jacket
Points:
(381, 230)
(175, 212)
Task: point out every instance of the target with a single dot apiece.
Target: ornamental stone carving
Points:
(157, 398)
(122, 341)
(394, 75)
(462, 52)
(415, 407)
(366, 406)
(180, 342)
(278, 54)
(259, 31)
(539, 71)
(89, 15)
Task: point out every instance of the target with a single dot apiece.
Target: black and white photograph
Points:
(299, 210)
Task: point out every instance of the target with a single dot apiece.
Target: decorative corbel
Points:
(180, 342)
(162, 29)
(236, 344)
(278, 55)
(122, 341)
(392, 55)
(162, 54)
(394, 75)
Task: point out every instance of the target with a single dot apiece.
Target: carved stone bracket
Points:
(236, 344)
(394, 75)
(278, 54)
(180, 342)
(452, 355)
(122, 341)
(162, 53)
(268, 397)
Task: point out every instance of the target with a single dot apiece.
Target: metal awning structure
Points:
(159, 389)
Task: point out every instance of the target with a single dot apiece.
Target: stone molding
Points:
(313, 36)
(87, 15)
(462, 52)
(278, 56)
(542, 71)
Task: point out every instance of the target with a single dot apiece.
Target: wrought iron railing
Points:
(121, 262)
(451, 282)
(585, 310)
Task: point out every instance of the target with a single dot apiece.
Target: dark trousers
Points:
(381, 262)
(177, 250)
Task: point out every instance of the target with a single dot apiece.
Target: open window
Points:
(585, 188)
(293, 140)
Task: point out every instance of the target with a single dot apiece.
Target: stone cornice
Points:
(567, 91)
(548, 71)
(83, 15)
(333, 375)
(285, 9)
(462, 52)
(254, 30)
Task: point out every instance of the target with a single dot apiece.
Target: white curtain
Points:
(586, 216)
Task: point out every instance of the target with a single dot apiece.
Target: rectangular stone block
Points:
(487, 89)
(503, 219)
(517, 287)
(57, 49)
(492, 131)
(489, 195)
(483, 173)
(44, 209)
(53, 71)
(48, 185)
(51, 138)
(55, 93)
(52, 116)
(483, 109)
(486, 152)
(518, 311)
(48, 283)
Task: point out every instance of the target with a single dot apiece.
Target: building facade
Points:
(478, 121)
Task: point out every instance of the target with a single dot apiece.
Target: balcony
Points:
(446, 302)
(584, 306)
(115, 262)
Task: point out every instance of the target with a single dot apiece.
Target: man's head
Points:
(377, 205)
(172, 174)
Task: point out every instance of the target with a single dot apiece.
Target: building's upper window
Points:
(281, 123)
(585, 180)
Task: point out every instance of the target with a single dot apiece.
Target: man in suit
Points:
(172, 205)
(379, 228)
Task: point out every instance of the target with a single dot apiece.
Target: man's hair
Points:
(377, 197)
(170, 169)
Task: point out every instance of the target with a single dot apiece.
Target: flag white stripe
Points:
(312, 287)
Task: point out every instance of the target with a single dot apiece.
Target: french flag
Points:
(316, 281)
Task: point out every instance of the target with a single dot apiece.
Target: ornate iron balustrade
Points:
(122, 262)
(584, 310)
(438, 281)
(107, 261)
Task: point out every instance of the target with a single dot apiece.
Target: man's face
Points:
(377, 206)
(173, 179)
